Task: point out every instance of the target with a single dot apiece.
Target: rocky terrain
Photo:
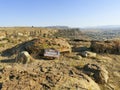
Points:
(83, 64)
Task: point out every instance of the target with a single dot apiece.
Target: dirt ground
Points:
(51, 74)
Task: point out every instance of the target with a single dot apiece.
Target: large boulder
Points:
(99, 73)
(37, 46)
(24, 57)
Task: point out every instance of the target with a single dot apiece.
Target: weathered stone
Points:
(24, 57)
(79, 57)
(37, 46)
(112, 46)
(99, 73)
(59, 76)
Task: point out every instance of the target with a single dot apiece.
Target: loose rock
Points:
(24, 57)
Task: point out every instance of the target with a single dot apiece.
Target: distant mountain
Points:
(58, 27)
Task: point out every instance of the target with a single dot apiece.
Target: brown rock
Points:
(59, 77)
(99, 73)
(112, 47)
(36, 47)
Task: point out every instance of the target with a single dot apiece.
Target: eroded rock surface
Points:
(99, 73)
(45, 76)
(111, 46)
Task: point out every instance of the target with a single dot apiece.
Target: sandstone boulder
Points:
(24, 57)
(37, 46)
(99, 73)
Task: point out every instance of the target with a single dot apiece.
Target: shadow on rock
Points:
(14, 50)
(8, 61)
(79, 49)
(0, 86)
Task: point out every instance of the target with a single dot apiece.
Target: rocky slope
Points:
(45, 76)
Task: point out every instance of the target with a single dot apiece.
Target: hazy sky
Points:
(75, 13)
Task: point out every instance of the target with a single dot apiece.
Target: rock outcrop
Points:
(36, 47)
(99, 74)
(46, 76)
(112, 47)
